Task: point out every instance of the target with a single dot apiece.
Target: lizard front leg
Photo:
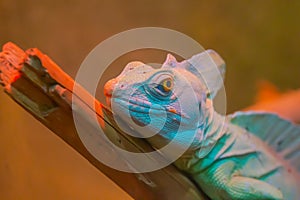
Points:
(222, 182)
(249, 188)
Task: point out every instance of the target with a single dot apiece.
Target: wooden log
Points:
(36, 83)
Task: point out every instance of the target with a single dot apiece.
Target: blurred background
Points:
(257, 39)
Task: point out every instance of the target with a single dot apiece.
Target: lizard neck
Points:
(215, 128)
(214, 131)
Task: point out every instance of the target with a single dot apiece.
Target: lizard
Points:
(244, 155)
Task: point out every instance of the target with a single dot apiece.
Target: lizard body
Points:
(229, 158)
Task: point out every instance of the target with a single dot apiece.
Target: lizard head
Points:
(175, 98)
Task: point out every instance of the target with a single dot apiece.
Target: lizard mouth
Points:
(139, 105)
(141, 112)
(135, 108)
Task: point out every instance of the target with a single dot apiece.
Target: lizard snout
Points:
(108, 90)
(109, 87)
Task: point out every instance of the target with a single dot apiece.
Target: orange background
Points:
(258, 40)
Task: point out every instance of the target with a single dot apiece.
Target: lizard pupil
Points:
(167, 85)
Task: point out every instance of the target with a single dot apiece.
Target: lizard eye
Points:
(165, 86)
